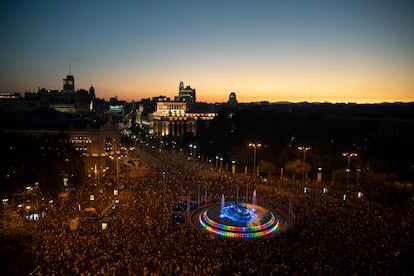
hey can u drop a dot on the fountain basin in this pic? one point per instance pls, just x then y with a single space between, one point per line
233 220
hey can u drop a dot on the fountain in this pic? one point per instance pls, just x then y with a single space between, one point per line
238 213
222 215
254 203
237 220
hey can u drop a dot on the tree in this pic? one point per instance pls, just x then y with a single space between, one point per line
26 159
296 167
15 240
266 167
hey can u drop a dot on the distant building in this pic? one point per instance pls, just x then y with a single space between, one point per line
69 83
91 136
186 94
170 119
142 112
92 92
177 119
67 100
232 99
69 112
116 110
161 99
163 117
6 95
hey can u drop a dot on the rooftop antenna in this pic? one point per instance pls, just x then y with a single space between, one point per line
70 69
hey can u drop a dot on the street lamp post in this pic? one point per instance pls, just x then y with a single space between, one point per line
348 155
116 158
304 149
255 146
192 150
233 167
97 172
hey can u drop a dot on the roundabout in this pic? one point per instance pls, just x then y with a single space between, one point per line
238 220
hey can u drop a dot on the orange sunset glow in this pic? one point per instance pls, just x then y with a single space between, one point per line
323 51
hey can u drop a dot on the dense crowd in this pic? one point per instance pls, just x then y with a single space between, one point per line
329 236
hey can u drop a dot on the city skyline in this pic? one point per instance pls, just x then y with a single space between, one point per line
316 51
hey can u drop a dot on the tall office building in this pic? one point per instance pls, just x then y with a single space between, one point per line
186 94
69 83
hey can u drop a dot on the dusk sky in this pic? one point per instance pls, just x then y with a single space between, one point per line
311 50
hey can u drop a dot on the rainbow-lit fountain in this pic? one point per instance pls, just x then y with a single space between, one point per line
237 220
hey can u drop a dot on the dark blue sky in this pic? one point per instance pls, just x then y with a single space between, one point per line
349 51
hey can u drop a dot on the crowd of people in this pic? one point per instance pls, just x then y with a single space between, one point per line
329 235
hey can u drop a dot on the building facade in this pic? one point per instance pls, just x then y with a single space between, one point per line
170 118
163 117
66 100
94 141
186 94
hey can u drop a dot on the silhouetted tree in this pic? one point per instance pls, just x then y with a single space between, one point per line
16 233
26 160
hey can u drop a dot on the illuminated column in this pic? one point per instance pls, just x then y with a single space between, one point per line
159 128
167 128
177 128
168 131
173 125
155 127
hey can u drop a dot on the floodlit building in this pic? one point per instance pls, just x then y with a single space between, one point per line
163 117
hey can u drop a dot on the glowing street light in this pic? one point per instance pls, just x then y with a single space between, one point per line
97 171
255 146
304 149
348 155
233 167
116 158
